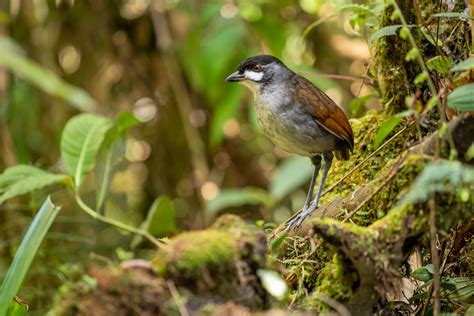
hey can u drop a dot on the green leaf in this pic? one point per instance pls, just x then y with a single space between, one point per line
277 242
464 65
238 197
355 7
412 54
160 219
46 80
385 129
356 104
462 98
290 175
17 308
26 253
22 179
440 63
110 154
386 31
80 142
446 176
421 77
452 15
273 283
424 273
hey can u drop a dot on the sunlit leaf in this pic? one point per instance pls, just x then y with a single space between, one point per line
273 283
290 175
43 78
440 63
80 142
238 197
462 98
17 308
26 253
385 129
22 179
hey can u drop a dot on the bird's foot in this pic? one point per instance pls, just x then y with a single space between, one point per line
296 222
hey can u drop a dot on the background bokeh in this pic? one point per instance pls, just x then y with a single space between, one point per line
199 144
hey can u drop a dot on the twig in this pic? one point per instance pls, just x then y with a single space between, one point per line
338 307
386 180
366 159
434 256
118 224
177 298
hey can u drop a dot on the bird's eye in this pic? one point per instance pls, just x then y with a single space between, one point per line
257 68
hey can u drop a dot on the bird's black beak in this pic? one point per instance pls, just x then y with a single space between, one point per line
235 77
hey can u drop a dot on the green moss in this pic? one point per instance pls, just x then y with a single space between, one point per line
334 280
189 253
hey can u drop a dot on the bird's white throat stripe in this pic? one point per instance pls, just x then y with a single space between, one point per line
252 75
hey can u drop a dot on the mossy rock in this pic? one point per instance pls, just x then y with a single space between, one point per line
221 261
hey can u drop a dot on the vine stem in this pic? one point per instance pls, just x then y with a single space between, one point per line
117 224
422 64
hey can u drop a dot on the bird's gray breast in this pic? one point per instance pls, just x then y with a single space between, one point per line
288 126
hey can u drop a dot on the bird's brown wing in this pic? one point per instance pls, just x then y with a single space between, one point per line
325 112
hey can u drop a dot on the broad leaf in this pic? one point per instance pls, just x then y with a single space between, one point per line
80 142
385 129
22 179
290 175
46 80
462 98
239 197
26 253
110 154
440 63
160 219
424 273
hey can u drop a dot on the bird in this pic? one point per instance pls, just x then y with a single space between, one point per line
297 117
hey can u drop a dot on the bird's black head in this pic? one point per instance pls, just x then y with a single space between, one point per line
257 70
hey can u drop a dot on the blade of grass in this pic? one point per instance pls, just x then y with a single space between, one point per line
26 253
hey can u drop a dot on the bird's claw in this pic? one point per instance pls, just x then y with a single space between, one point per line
296 222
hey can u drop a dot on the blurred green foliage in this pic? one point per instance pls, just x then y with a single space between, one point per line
104 56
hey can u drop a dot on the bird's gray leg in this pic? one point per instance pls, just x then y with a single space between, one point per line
327 160
316 160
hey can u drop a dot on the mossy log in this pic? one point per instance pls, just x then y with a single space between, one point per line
196 273
376 252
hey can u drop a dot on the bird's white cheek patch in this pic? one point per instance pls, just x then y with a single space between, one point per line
252 75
